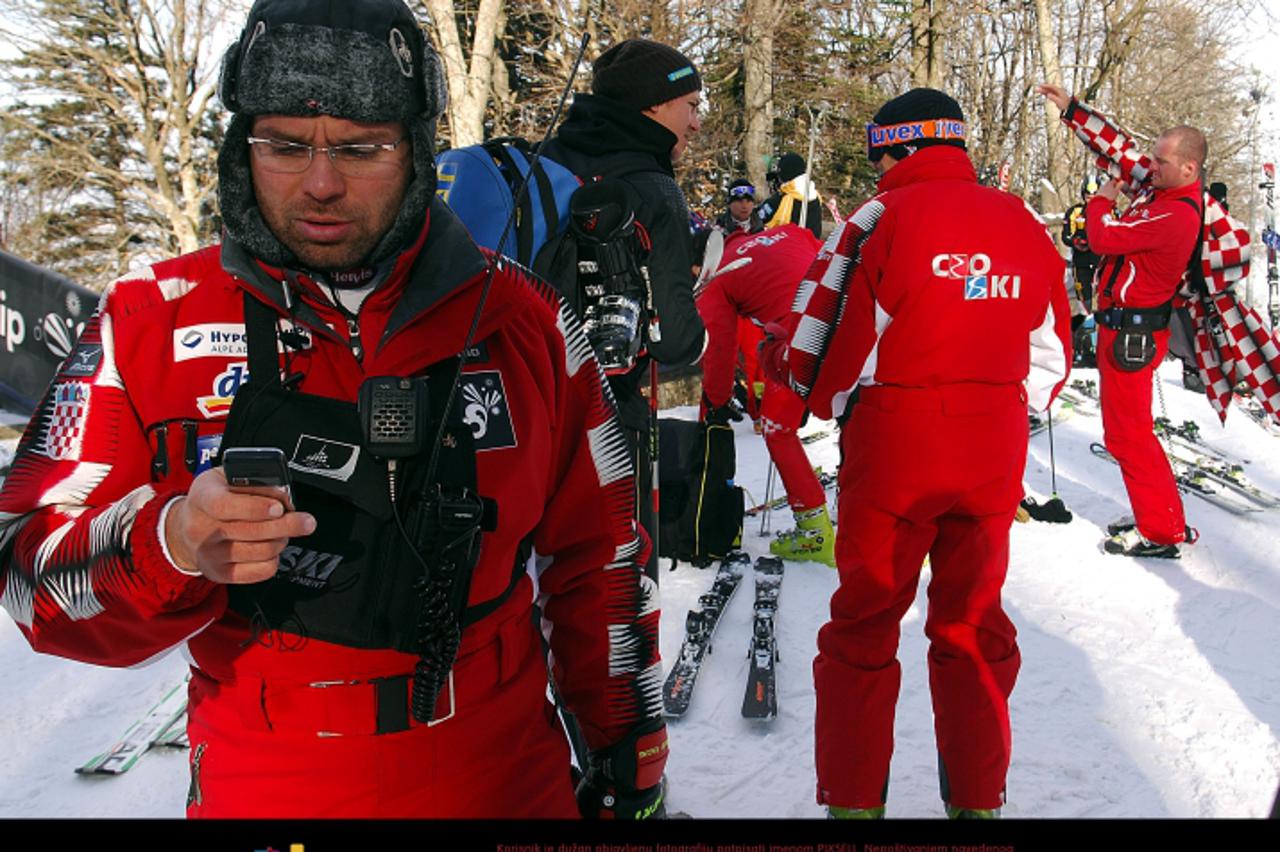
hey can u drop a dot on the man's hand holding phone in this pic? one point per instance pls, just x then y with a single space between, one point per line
235 520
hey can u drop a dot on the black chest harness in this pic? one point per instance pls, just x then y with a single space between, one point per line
1134 346
374 574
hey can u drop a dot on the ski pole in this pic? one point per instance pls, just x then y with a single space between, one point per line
1054 511
654 458
768 499
1053 467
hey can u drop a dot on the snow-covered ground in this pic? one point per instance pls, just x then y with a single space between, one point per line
1149 688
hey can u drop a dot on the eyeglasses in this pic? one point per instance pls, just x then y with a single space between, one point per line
748 192
357 161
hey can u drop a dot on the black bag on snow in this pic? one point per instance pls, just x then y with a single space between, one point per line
701 509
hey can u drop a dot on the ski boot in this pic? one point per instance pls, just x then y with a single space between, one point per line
972 813
1126 525
836 812
813 539
1130 542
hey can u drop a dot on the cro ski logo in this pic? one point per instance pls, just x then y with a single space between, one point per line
979 281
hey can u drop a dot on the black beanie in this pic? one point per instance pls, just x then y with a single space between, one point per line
790 167
918 105
642 73
362 60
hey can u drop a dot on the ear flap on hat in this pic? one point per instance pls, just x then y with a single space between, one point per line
434 88
232 62
229 75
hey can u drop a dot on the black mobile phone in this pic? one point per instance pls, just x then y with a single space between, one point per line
247 467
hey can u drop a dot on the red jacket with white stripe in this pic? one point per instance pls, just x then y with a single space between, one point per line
82 570
1147 248
758 281
935 281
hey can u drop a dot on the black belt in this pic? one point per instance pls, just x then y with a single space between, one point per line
1152 319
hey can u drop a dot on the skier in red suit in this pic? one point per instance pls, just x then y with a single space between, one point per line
945 327
1145 252
756 278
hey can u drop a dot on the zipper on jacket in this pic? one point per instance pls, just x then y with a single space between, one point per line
353 330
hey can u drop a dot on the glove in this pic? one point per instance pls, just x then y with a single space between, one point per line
1076 322
624 781
719 415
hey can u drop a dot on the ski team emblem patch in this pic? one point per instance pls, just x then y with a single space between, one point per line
64 433
485 410
325 457
83 360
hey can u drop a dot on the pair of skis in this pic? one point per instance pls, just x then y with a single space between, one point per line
161 726
1225 489
826 480
1200 468
760 700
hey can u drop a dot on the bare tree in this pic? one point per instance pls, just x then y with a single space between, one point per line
927 35
470 78
759 20
113 115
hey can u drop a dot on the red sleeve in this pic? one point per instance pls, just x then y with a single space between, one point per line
861 323
720 316
600 610
822 299
82 571
1050 349
1117 153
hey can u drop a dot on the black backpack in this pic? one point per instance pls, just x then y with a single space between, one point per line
701 509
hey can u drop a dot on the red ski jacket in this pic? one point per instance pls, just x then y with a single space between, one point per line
935 281
82 567
1147 248
759 277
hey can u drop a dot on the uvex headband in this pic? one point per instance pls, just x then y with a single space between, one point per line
742 192
928 131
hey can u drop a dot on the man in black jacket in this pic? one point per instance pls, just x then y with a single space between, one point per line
636 122
794 196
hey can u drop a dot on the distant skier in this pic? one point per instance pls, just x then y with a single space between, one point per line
756 277
946 329
794 197
740 212
1084 262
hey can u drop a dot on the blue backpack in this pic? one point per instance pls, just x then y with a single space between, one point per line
479 182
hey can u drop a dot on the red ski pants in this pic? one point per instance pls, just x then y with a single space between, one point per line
264 749
1129 434
937 472
782 412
